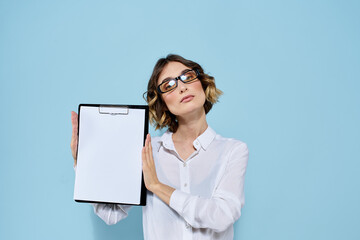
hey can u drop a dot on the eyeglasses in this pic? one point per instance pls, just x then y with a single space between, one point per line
170 84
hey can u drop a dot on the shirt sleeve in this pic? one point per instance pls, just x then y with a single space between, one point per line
224 207
110 213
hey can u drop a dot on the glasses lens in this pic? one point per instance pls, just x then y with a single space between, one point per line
168 85
188 76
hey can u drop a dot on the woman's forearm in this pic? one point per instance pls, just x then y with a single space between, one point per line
163 192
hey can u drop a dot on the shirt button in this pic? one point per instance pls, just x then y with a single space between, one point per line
184 164
185 185
187 225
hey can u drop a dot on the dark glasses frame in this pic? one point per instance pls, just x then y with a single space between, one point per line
177 79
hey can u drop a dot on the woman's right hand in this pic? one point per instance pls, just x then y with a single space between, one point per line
74 137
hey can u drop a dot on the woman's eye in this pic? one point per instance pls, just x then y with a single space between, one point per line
184 77
170 84
188 76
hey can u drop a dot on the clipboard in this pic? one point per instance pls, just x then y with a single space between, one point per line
109 163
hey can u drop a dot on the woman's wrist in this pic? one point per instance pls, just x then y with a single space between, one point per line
163 191
154 187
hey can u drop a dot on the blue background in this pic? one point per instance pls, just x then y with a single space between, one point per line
289 70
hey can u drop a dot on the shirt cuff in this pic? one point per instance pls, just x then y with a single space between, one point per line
177 200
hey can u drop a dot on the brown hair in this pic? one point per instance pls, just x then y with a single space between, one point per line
160 116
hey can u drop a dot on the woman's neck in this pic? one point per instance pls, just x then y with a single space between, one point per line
190 127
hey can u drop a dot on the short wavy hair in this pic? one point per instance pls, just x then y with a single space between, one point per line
160 116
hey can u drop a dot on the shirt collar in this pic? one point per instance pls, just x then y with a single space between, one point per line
204 139
166 141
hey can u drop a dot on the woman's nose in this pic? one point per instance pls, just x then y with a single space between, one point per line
182 87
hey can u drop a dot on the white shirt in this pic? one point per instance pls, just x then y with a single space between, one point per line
209 191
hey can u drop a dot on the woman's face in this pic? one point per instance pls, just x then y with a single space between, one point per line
187 97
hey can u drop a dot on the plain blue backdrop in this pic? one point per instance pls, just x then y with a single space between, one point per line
289 70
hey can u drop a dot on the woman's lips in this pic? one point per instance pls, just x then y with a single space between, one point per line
187 98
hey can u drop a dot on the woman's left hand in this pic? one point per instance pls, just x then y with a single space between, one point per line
150 177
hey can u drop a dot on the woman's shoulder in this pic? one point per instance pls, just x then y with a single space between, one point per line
230 143
160 135
236 150
158 138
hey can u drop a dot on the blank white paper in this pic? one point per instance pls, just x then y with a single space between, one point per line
109 165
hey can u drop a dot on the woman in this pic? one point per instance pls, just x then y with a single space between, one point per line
194 176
